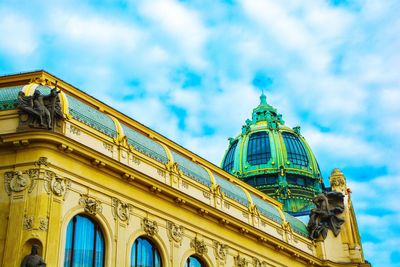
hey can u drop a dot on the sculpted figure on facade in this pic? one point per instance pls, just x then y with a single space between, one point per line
90 204
41 110
150 227
221 250
33 259
325 216
175 232
199 246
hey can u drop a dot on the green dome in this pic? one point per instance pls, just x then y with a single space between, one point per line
275 159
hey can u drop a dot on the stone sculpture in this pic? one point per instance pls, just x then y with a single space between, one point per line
33 259
325 216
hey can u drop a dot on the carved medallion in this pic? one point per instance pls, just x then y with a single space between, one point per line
121 210
199 246
91 205
220 250
150 227
17 181
175 232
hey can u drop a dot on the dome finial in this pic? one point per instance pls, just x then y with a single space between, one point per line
263 98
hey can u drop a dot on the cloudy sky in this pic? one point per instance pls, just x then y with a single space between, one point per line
193 71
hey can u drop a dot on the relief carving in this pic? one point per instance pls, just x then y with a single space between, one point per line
74 130
17 181
220 250
121 210
90 204
55 184
199 246
240 261
43 224
42 161
28 222
150 227
175 232
329 205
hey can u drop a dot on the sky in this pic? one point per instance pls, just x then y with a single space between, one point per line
194 70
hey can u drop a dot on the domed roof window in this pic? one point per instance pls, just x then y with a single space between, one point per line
230 158
259 150
296 153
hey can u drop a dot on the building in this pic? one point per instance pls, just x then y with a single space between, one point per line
89 186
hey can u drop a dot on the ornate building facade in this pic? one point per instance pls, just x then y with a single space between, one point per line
85 185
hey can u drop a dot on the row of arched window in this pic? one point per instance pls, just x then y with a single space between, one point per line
85 247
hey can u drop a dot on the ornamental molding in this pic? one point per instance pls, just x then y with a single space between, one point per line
90 204
199 246
220 250
18 181
121 210
240 261
175 232
258 263
150 227
43 224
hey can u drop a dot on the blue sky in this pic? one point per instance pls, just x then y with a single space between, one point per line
193 71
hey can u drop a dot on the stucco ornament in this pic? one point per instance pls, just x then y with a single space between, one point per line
240 261
199 246
91 205
175 232
44 224
220 250
17 181
121 210
329 205
28 222
150 227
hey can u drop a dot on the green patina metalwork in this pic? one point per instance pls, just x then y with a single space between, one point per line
191 169
232 191
145 145
297 225
289 176
266 209
91 117
9 97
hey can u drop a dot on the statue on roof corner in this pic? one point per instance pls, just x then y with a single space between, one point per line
40 111
329 205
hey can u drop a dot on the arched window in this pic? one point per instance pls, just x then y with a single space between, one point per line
296 153
230 158
194 261
144 254
85 243
259 150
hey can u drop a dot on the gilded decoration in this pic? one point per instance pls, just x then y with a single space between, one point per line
90 204
329 205
150 227
120 210
17 181
240 261
199 246
175 232
220 250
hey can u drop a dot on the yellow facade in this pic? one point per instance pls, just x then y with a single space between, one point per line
50 176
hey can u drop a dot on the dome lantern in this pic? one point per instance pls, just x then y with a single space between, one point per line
275 159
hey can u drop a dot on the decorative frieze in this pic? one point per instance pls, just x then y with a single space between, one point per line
90 204
108 147
175 232
150 227
199 246
220 250
74 130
